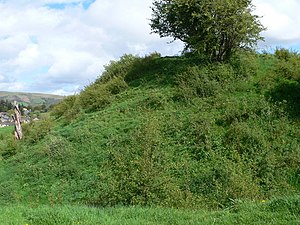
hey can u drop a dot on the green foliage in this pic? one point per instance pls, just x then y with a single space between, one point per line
245 64
221 179
215 29
196 82
36 131
118 68
210 80
95 97
288 64
139 173
8 146
169 132
66 108
98 95
289 204
285 88
117 77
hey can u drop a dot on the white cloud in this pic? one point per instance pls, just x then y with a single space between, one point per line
281 18
28 56
12 86
2 78
60 50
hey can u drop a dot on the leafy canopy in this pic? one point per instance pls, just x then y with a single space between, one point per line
216 28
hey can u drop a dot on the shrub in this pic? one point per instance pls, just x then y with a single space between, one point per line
155 101
288 64
244 64
205 81
196 82
142 67
94 97
116 85
37 130
99 95
67 108
8 147
118 69
139 172
221 180
248 142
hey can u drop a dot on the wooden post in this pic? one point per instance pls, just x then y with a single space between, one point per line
17 120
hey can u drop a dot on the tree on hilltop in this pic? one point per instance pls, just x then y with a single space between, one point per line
216 28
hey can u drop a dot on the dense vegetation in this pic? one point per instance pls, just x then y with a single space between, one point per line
210 137
170 132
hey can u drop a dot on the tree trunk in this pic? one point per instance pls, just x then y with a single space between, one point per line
17 120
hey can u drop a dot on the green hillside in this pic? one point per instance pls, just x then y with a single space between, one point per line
32 99
171 132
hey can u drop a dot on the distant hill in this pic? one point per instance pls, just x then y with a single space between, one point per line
31 98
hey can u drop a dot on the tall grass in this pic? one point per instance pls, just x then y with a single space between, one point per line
277 211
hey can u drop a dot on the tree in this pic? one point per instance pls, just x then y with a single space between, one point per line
216 28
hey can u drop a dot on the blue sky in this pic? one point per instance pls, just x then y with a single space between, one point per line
63 5
60 46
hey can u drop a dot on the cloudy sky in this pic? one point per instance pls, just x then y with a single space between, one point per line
59 46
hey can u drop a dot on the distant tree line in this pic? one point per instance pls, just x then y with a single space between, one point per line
5 105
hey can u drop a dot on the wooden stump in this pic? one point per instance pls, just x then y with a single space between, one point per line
17 120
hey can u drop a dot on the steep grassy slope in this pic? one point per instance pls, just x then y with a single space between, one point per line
166 132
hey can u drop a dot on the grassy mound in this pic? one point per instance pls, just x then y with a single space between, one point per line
171 132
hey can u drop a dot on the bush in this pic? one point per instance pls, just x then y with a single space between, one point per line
155 101
117 69
221 180
284 85
8 146
205 81
288 64
196 82
37 130
244 64
67 108
94 97
142 67
99 95
116 85
138 172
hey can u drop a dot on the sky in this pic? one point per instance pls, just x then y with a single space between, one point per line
61 46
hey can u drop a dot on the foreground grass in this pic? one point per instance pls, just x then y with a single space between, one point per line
6 130
276 211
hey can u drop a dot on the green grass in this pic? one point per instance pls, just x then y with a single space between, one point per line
241 213
154 134
6 130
